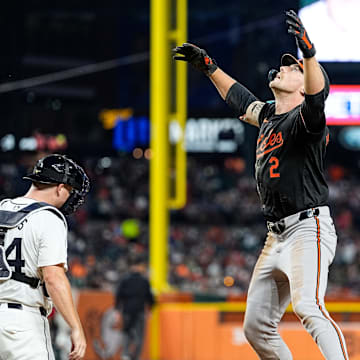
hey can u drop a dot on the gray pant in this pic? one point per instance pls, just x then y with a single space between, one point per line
293 266
133 335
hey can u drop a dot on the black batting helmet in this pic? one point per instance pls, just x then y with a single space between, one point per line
59 169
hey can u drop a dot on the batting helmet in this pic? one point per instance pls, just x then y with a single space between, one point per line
59 169
288 59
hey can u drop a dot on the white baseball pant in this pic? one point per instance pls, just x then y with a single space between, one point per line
293 266
24 334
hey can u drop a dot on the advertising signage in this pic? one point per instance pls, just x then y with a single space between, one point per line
343 105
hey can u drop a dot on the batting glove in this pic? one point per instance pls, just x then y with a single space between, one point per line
197 57
296 27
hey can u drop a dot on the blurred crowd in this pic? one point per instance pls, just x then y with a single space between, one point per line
213 242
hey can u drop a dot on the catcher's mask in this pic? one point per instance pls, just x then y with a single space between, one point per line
288 59
58 169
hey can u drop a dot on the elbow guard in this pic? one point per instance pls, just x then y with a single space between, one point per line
239 98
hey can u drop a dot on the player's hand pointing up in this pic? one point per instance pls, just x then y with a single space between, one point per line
296 27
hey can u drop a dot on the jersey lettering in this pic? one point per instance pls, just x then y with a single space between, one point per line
5 271
22 224
18 263
269 143
274 160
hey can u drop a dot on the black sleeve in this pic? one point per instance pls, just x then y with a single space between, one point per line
239 98
312 113
267 110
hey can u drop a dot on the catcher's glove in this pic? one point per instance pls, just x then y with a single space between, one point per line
296 27
197 57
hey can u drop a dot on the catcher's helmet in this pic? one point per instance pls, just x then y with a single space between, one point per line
288 59
59 169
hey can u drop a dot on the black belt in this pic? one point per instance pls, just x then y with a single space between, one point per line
309 213
278 227
20 307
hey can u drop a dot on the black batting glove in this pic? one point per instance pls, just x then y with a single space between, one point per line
197 57
296 27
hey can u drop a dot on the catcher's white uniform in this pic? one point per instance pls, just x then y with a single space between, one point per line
40 240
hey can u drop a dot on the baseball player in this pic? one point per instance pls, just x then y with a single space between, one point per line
33 261
132 300
289 171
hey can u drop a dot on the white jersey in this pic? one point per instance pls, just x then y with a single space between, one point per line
40 240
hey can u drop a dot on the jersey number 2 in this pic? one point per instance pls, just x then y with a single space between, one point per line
275 161
17 263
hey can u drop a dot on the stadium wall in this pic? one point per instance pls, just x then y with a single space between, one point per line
204 331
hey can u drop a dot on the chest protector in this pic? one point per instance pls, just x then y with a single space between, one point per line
10 220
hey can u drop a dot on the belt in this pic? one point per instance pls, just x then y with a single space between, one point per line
278 227
22 307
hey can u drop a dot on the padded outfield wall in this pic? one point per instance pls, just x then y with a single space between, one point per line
204 331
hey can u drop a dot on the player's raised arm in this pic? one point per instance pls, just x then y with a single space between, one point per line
238 97
316 81
313 76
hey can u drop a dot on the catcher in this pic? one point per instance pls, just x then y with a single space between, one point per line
33 261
